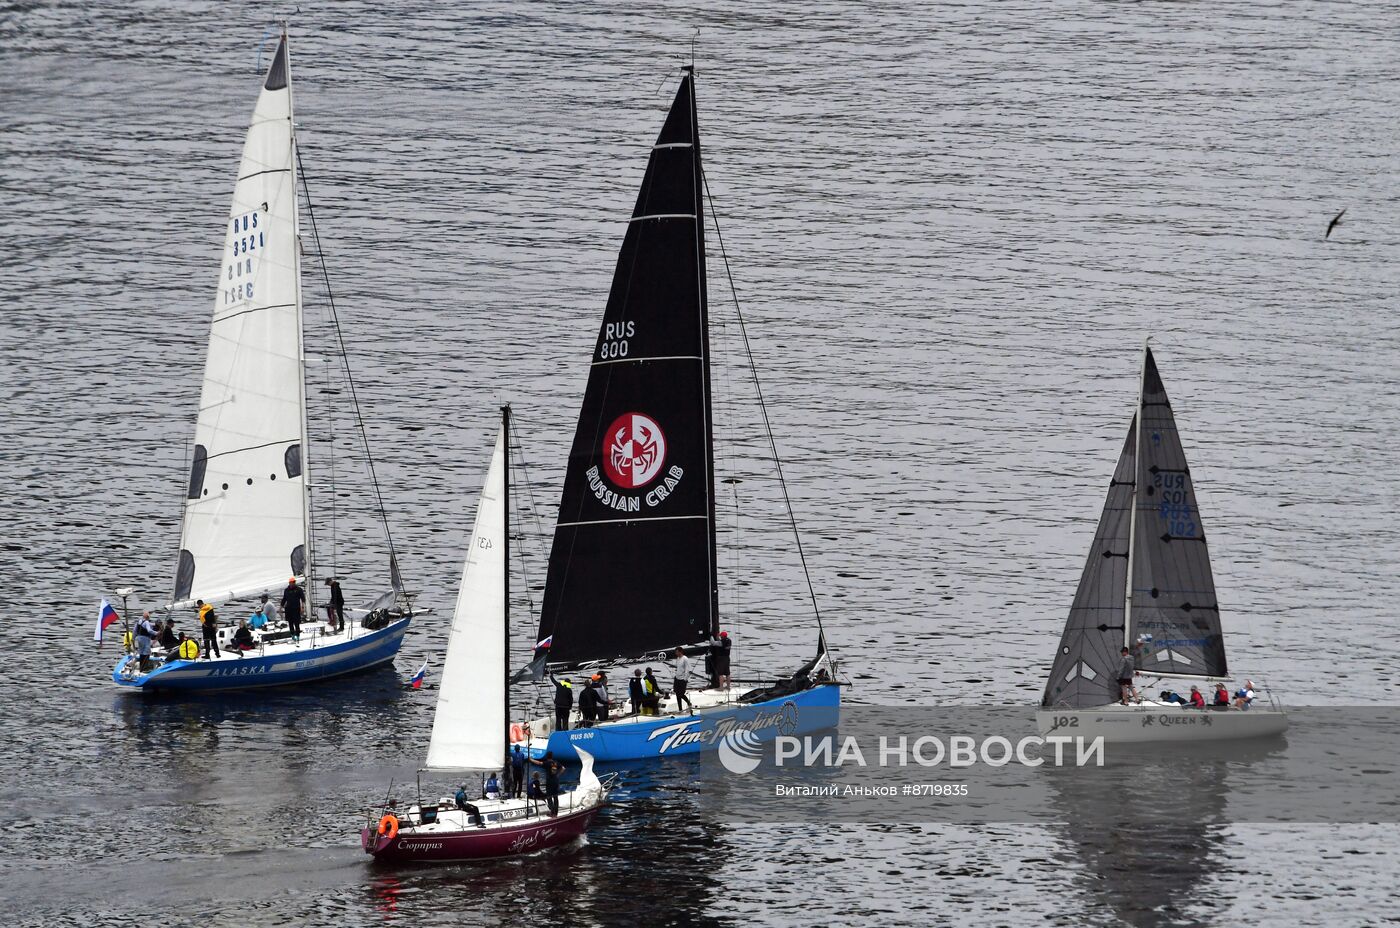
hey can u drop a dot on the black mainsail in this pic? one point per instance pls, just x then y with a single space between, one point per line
1173 593
632 570
1151 527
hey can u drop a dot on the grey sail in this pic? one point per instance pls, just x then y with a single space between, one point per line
1173 595
1086 665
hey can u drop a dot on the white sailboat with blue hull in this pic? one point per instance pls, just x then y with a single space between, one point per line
246 527
632 571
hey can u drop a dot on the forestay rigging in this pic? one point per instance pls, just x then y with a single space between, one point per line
245 518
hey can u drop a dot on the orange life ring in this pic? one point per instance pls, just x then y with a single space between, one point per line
517 732
389 827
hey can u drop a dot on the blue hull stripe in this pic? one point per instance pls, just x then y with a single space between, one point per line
800 713
302 666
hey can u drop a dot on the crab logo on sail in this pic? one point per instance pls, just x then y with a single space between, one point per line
634 450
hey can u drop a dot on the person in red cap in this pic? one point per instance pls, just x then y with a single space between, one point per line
293 600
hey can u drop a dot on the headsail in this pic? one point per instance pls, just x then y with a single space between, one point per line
1086 665
632 568
1173 595
470 724
245 518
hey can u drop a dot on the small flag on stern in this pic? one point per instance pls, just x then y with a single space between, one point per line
106 616
417 681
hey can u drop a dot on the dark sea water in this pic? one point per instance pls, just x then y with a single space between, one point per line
950 227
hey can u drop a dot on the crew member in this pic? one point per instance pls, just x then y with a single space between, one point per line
293 599
336 607
651 693
243 638
720 660
209 625
145 637
635 691
473 813
563 703
551 782
517 771
682 680
1126 668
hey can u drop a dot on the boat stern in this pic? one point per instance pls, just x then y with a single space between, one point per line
128 672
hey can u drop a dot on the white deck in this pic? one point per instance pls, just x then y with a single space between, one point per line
495 813
274 640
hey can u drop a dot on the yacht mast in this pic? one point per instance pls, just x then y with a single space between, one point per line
1132 512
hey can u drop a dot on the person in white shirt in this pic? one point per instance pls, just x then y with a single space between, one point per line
682 680
1245 696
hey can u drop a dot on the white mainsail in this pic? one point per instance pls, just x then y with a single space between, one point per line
469 729
245 519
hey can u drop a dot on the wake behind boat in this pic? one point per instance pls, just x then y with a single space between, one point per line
471 720
1146 609
247 517
632 571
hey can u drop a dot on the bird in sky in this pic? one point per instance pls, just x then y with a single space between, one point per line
1336 221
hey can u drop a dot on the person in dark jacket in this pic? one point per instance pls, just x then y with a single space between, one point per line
1127 667
293 599
589 705
168 638
243 638
517 771
335 609
536 791
563 703
551 782
719 661
635 691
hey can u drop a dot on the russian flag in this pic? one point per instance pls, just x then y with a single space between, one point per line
106 616
546 643
417 681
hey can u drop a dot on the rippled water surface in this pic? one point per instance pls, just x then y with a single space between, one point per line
950 227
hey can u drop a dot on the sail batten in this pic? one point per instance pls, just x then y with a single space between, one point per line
469 726
632 567
245 524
